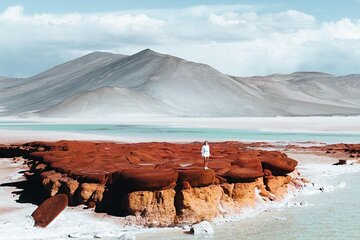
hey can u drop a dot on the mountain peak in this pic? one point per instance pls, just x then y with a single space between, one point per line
97 54
147 51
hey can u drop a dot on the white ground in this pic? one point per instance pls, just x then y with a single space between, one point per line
18 136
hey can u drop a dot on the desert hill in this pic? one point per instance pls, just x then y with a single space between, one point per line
149 83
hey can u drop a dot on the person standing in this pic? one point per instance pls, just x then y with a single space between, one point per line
205 153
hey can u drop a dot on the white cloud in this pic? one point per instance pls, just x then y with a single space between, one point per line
345 29
232 38
13 13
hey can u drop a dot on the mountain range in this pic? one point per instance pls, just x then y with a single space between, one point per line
148 83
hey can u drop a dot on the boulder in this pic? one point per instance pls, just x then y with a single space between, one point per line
68 186
51 183
341 162
239 175
90 192
147 179
279 165
197 177
202 228
49 210
250 162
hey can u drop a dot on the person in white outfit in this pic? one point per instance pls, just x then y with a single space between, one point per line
205 153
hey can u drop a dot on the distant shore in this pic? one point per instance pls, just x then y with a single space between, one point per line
296 125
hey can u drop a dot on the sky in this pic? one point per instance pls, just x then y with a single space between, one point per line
243 38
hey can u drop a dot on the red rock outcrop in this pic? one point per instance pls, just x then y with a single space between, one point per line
198 204
140 179
49 210
157 208
159 183
240 175
197 177
278 163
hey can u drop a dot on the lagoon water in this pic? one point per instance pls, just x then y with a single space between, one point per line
168 133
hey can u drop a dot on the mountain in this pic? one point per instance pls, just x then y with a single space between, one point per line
149 83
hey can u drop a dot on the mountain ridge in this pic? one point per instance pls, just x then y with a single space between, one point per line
174 87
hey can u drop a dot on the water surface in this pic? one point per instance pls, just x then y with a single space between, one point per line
183 133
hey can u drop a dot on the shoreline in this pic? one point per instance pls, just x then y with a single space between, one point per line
335 124
23 136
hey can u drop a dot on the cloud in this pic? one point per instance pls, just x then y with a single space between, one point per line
235 39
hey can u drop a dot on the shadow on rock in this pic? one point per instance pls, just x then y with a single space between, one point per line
28 190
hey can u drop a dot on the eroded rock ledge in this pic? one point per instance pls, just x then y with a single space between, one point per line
159 183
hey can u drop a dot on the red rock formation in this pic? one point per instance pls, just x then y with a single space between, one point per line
198 204
239 175
197 177
158 180
157 208
49 210
139 179
278 163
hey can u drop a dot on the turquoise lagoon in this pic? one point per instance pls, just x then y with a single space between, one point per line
168 133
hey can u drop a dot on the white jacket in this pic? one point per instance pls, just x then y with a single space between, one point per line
205 151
